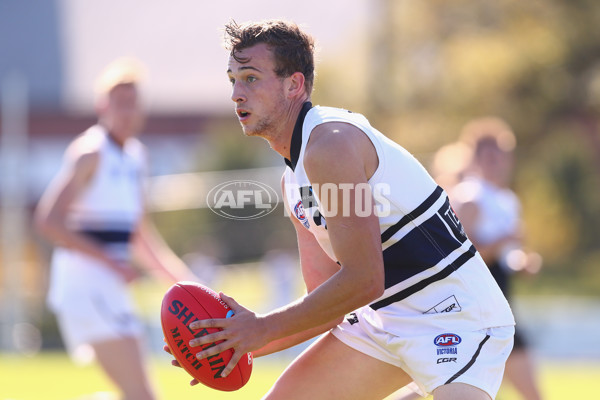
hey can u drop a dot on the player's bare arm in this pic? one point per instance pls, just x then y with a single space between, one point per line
336 154
317 267
156 255
341 154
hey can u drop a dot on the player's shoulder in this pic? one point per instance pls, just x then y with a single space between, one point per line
469 190
334 125
319 114
335 136
86 147
137 150
333 148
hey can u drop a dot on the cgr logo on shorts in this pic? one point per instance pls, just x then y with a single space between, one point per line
242 199
449 304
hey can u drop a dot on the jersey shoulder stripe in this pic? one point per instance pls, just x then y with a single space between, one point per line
385 236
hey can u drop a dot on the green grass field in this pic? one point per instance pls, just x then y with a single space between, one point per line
52 376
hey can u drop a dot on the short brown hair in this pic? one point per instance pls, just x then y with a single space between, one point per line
488 130
292 48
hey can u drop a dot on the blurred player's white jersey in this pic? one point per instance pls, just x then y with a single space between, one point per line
499 213
92 301
112 202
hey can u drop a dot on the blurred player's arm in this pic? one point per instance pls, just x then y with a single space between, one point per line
509 246
150 248
156 256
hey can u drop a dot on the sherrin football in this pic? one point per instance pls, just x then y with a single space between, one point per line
184 303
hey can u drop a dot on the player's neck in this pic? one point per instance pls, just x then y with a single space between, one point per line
116 139
281 142
494 178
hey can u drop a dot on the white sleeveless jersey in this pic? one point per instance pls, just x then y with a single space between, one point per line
499 214
500 209
110 206
422 240
108 210
113 199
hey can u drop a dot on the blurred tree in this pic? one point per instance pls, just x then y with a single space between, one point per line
428 67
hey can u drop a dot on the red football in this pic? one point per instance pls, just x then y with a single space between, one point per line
184 303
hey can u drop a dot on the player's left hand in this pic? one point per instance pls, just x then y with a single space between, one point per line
175 363
243 332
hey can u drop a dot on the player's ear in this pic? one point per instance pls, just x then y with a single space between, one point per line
295 84
101 104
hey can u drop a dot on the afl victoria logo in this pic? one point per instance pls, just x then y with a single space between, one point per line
447 339
242 199
299 211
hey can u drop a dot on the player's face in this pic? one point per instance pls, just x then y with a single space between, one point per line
257 91
496 163
122 113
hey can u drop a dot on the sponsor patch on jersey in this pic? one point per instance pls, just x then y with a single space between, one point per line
301 214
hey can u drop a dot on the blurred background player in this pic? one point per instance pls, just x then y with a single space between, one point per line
491 215
450 164
94 214
476 172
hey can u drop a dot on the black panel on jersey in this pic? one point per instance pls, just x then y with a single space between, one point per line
385 236
401 295
108 236
422 248
448 215
296 143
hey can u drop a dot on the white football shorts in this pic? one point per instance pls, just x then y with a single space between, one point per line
476 357
91 303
